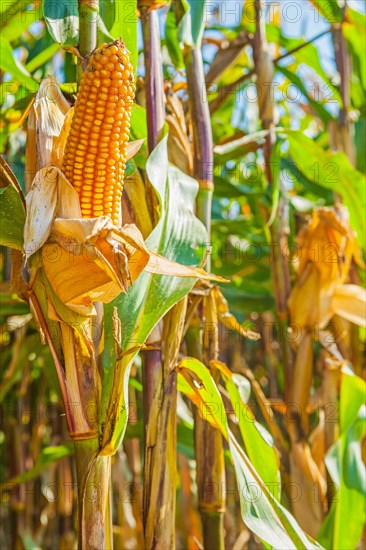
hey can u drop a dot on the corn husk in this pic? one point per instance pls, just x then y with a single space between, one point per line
228 319
45 121
306 481
327 246
86 260
179 146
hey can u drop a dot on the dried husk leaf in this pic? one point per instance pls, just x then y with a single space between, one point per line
7 177
78 360
51 195
133 147
59 143
306 481
349 302
327 246
151 4
228 319
162 266
226 56
301 385
135 194
45 121
317 444
84 260
308 302
179 146
31 163
89 260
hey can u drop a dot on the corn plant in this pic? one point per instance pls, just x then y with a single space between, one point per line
183 302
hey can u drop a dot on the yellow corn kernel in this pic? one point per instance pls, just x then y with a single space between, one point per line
100 131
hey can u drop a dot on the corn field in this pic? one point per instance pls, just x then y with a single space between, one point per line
183 305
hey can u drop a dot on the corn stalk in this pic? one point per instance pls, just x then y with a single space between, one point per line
160 446
74 350
342 139
298 373
264 69
159 376
208 441
93 472
88 17
342 134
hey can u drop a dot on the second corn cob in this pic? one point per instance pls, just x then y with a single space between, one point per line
95 155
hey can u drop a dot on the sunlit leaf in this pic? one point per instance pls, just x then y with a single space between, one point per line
179 236
125 24
62 19
303 52
346 467
318 106
9 64
258 442
354 31
48 456
44 56
17 23
330 9
332 171
12 218
261 511
107 11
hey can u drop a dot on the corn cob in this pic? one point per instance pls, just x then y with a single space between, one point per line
95 153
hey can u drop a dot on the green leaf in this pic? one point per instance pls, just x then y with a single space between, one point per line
138 122
48 456
260 510
10 65
332 171
125 26
240 147
275 186
188 32
62 19
258 442
330 9
172 40
318 107
354 31
179 236
11 305
139 131
352 397
245 300
345 465
107 11
42 58
308 54
12 217
185 440
360 142
7 382
303 185
8 9
227 190
198 20
16 23
28 542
